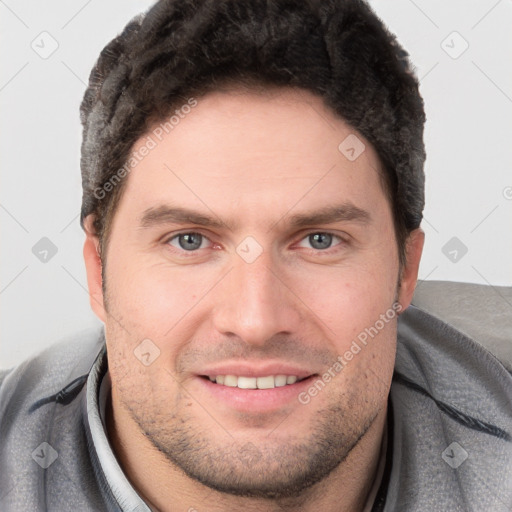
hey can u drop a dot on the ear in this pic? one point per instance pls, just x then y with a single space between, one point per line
414 248
93 268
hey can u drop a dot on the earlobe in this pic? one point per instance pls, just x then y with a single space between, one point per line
414 249
93 267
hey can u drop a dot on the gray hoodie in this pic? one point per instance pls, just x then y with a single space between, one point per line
449 430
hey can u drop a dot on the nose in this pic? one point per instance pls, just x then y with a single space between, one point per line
255 302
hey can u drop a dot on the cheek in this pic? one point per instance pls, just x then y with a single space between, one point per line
153 298
358 321
347 299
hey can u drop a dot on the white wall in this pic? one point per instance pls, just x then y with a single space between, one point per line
468 137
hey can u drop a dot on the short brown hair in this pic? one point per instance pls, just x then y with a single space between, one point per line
336 49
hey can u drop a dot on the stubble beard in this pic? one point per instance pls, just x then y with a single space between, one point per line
270 467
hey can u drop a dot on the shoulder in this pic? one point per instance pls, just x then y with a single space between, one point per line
451 399
42 376
43 446
449 345
51 369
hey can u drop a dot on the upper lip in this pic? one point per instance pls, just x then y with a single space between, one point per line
255 369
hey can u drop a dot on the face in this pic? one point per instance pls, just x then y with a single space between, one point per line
249 251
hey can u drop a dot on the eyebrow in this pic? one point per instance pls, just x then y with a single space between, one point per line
178 215
345 212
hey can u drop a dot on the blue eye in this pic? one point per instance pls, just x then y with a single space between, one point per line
188 241
320 241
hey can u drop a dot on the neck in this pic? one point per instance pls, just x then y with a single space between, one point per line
166 488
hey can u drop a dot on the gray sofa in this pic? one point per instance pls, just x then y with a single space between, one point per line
483 312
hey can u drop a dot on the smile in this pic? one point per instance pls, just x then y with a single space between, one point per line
267 382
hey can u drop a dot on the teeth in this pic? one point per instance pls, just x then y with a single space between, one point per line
265 382
247 382
268 382
280 381
231 381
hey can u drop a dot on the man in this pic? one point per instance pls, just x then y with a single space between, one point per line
253 193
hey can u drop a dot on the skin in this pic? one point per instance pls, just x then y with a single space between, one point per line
253 161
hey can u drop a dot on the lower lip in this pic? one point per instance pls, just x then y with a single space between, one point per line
256 400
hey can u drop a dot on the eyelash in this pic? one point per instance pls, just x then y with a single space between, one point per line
188 254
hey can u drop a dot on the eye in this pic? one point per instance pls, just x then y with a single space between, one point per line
320 240
188 241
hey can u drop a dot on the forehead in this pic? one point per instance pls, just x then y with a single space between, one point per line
253 152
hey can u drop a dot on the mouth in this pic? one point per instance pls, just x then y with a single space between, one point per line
263 382
255 392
